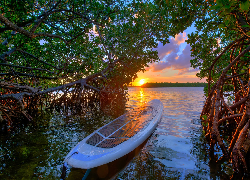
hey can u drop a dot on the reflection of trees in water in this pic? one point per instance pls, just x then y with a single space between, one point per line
21 153
38 150
200 150
144 166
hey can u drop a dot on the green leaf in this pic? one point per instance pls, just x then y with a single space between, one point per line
221 26
245 25
204 117
245 6
216 7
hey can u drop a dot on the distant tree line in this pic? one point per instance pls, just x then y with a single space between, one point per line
167 84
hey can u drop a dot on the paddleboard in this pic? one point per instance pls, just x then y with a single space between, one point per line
106 171
117 138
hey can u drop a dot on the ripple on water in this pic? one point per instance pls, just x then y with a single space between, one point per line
173 151
169 150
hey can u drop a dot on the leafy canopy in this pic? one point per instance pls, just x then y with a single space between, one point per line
219 28
48 43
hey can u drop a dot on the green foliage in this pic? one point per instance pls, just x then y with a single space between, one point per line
206 90
78 38
204 117
221 24
74 39
71 39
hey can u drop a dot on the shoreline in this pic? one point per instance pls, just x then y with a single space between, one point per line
153 85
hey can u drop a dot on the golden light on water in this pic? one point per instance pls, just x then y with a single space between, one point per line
141 96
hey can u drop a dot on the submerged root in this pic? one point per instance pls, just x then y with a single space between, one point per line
225 122
72 100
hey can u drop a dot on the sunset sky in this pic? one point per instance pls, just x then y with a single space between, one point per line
174 65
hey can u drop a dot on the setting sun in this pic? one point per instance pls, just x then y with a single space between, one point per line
142 81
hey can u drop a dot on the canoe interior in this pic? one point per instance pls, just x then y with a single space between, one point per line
124 127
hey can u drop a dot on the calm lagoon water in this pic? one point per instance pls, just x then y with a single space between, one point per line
175 148
174 151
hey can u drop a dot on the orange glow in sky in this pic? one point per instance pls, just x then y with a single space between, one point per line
142 81
174 64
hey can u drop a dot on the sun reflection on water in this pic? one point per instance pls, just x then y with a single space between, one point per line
176 148
142 99
174 151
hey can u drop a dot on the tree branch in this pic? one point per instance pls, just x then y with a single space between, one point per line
7 53
229 117
225 104
43 17
14 86
225 49
230 77
39 59
27 33
24 67
24 74
14 27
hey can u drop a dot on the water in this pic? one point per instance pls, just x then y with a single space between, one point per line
176 150
172 150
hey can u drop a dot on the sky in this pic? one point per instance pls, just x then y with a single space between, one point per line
174 64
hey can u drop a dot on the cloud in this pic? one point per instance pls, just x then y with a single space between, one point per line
147 68
184 71
180 38
171 47
183 60
156 67
169 57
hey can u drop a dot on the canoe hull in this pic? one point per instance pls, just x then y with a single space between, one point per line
117 138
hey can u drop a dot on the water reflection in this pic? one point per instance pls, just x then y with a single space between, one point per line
142 96
38 152
176 150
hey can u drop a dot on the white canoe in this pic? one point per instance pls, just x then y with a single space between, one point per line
117 138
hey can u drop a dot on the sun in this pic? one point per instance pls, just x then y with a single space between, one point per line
142 81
